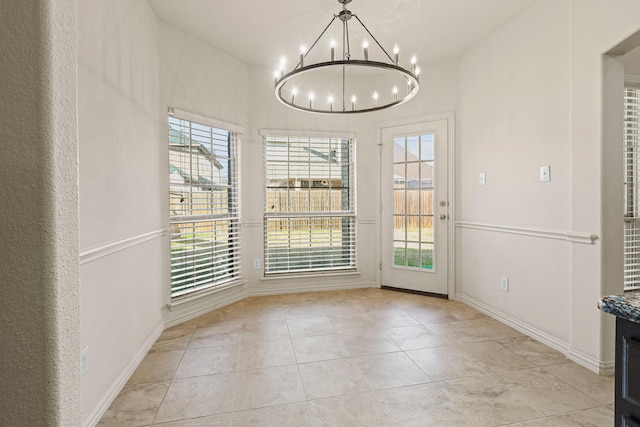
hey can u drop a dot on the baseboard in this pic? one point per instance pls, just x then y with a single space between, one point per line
298 288
204 306
117 386
589 362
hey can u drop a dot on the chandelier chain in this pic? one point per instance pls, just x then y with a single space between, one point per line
316 42
374 39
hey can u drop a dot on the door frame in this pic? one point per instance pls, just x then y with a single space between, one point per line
451 174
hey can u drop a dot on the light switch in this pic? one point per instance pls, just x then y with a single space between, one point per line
482 179
545 173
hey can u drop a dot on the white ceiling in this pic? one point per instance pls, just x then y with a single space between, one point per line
259 32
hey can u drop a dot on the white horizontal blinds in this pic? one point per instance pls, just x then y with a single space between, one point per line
309 220
204 209
631 189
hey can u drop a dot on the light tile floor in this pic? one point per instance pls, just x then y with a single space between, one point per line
366 357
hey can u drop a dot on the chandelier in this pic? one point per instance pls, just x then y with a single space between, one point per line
347 83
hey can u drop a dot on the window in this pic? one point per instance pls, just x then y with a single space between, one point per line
309 217
204 209
631 189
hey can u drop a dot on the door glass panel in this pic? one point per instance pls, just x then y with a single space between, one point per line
426 202
398 201
413 148
413 228
399 148
426 229
413 255
426 147
413 167
426 174
399 230
413 202
399 258
427 255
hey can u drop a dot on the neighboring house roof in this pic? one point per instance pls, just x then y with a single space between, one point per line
415 171
178 176
179 141
325 165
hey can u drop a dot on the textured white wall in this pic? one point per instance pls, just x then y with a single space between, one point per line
632 63
532 94
122 190
514 118
596 27
39 289
198 78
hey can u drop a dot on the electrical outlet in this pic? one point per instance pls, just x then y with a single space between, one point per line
482 178
256 263
84 361
504 283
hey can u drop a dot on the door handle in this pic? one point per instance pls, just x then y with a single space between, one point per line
444 216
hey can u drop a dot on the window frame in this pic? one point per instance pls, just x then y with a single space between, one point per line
342 238
631 182
220 218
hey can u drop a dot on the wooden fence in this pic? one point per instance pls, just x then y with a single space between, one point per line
305 201
412 209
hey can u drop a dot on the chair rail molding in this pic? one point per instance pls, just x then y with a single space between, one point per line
546 233
99 251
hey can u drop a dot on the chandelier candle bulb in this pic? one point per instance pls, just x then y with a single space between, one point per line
395 93
353 102
365 47
330 99
311 100
396 51
414 61
333 50
375 99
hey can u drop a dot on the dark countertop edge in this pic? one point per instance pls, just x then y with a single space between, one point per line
625 306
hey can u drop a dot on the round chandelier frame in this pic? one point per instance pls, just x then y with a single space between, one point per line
411 76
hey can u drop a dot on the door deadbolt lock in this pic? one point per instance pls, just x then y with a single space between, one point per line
443 203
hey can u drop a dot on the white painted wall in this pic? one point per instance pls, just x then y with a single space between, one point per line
122 193
532 95
514 118
632 63
39 278
596 27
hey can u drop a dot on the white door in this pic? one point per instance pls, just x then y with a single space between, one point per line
415 207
